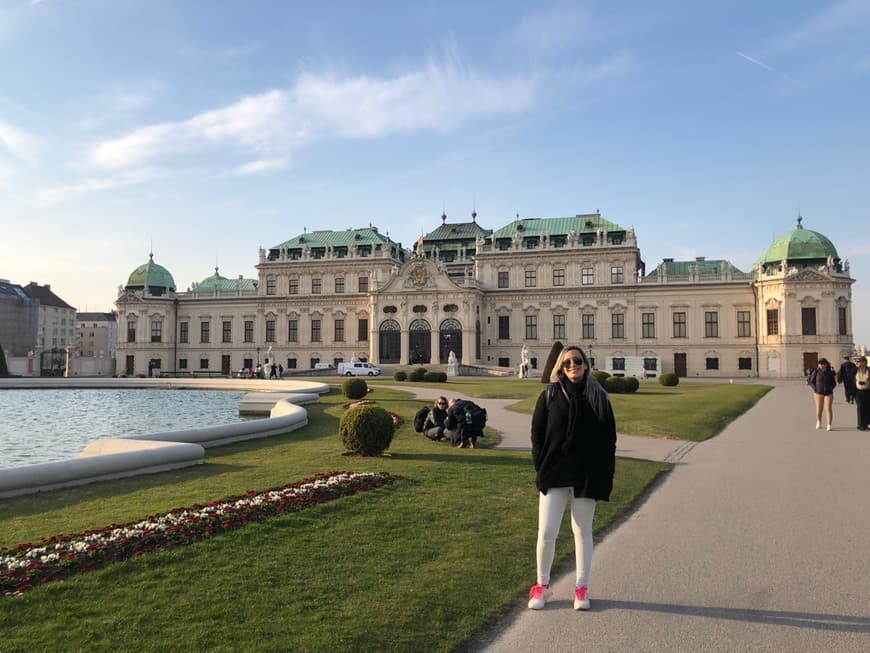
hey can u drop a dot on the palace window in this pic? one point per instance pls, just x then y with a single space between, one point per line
362 329
339 330
227 331
184 332
203 363
617 323
315 330
156 330
679 325
339 285
503 279
588 326
841 321
131 330
616 274
249 331
559 276
744 326
182 363
293 330
712 363
744 363
559 327
773 322
531 327
504 327
711 324
531 278
363 284
647 325
808 321
205 332
294 287
588 277
270 286
315 286
270 330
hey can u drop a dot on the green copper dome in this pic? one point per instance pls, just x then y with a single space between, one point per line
152 276
800 246
221 283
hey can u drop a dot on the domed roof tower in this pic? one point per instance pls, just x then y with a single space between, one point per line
152 276
800 248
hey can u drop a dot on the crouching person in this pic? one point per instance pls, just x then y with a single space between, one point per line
465 422
433 427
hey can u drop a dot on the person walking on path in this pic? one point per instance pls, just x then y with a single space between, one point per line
862 393
823 382
574 453
846 377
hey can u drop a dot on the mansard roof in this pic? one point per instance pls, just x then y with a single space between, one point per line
322 238
457 230
699 266
218 282
588 222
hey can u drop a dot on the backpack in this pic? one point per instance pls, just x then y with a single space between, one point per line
475 418
552 390
420 419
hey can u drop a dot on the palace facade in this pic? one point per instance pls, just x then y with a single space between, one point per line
329 296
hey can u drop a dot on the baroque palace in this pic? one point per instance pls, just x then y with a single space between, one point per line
331 296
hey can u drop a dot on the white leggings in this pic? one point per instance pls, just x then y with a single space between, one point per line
551 507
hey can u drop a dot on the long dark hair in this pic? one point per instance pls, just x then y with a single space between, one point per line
592 391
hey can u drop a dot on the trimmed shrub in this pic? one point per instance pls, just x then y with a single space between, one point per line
631 384
417 374
432 377
614 384
354 388
366 430
400 375
600 376
443 378
669 378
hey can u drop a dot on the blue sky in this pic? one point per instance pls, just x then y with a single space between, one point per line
208 129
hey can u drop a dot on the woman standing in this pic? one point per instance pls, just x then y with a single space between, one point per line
862 392
823 382
574 452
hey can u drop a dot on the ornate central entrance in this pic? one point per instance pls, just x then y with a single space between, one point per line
390 342
419 342
449 339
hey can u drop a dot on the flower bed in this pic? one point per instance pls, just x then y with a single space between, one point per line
61 556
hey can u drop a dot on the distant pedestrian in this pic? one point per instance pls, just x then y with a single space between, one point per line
273 371
823 382
574 453
862 393
846 378
280 371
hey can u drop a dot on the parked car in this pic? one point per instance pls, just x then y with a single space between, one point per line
358 369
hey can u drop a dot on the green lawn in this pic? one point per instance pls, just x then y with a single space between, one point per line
420 565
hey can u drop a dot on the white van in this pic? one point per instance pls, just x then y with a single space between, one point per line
358 369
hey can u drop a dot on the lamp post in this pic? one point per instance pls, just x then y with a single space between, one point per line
258 357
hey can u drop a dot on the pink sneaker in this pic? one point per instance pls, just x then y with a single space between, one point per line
581 598
538 596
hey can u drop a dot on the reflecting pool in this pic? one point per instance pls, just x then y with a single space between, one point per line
51 425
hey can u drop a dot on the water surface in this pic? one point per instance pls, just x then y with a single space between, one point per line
50 425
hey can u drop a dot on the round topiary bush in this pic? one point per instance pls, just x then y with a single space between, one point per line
631 384
600 376
432 377
418 374
400 375
614 384
443 378
354 388
366 430
669 378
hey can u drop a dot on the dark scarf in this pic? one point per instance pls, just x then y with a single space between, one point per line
589 390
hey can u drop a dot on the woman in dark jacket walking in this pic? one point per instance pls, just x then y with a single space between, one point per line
574 452
823 382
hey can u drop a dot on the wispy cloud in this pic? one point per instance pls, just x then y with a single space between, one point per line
261 166
59 194
551 31
23 146
765 66
441 95
844 16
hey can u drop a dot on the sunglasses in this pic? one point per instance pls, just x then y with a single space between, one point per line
442 403
576 362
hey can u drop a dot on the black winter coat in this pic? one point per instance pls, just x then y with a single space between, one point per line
589 463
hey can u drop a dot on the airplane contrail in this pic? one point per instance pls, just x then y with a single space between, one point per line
764 65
